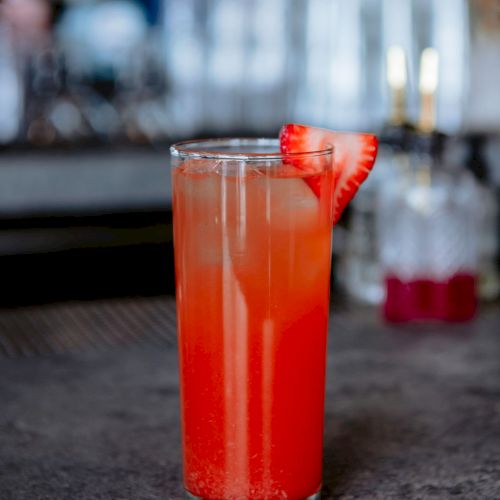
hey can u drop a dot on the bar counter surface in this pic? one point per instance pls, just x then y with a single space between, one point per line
412 412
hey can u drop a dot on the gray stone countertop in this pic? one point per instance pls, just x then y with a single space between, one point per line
411 413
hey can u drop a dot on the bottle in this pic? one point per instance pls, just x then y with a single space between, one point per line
428 222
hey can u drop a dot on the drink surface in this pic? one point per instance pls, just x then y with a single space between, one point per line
253 255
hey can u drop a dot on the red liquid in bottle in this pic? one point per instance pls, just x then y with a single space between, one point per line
453 299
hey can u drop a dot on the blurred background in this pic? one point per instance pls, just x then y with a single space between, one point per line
93 92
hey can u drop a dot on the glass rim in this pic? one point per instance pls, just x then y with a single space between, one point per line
185 149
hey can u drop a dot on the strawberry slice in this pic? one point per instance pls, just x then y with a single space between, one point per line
354 156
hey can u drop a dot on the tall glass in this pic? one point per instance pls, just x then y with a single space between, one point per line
252 236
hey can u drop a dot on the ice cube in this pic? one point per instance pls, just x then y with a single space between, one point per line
199 166
197 214
286 203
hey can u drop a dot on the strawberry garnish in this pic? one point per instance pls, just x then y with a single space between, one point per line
354 156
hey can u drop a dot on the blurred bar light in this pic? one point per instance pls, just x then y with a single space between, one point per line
428 84
429 71
397 30
397 80
396 67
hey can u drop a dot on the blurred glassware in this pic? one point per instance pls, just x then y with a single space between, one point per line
140 94
359 269
98 37
11 86
184 48
105 46
227 64
227 31
268 77
43 86
330 85
429 238
65 113
24 34
428 222
146 71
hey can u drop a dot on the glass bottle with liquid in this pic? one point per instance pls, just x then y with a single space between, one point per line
428 222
